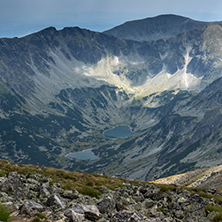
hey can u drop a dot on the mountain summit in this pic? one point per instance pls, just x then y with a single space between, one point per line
159 27
61 90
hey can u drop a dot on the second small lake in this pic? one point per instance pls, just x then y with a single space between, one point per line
83 155
119 132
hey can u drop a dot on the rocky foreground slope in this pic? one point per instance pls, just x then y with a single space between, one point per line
35 197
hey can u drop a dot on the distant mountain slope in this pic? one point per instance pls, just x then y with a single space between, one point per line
152 29
60 90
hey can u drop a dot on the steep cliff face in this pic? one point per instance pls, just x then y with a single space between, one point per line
60 90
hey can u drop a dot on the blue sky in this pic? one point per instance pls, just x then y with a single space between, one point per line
22 17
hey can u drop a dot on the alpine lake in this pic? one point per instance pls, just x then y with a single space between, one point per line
115 133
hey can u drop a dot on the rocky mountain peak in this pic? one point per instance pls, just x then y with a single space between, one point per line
155 28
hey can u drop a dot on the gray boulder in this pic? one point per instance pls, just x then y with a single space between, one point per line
124 216
91 212
55 201
73 216
107 205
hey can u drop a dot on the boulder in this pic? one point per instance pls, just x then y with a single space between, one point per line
91 212
78 208
124 216
27 210
73 216
44 190
120 207
36 206
149 203
69 194
55 201
106 205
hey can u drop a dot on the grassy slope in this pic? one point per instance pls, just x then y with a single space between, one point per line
208 177
84 183
91 183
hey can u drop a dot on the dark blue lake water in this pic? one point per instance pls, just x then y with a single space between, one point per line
83 155
119 132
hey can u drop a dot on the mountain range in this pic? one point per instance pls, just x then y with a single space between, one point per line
61 89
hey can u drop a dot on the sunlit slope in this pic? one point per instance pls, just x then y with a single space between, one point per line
206 177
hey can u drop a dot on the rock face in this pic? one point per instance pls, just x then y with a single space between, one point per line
29 195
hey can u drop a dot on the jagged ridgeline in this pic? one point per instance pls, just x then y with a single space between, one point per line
60 91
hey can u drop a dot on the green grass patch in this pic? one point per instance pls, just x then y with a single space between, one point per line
66 175
2 173
36 219
217 198
41 216
88 184
166 187
215 208
89 191
4 213
110 187
204 194
67 185
195 189
217 218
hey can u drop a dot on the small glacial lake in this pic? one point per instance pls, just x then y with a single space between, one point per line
83 155
119 132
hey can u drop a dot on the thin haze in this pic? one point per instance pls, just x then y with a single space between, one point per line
22 17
